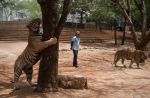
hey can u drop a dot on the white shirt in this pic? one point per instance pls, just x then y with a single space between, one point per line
76 43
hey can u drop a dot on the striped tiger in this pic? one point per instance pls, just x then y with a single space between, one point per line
129 54
31 54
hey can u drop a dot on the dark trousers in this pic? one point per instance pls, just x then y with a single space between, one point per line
75 53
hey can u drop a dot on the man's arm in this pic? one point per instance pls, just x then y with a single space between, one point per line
71 45
72 41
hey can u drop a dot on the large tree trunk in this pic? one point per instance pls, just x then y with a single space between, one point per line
48 71
144 41
48 79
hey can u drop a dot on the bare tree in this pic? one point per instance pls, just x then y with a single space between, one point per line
140 43
128 9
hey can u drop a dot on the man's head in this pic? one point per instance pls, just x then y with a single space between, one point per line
77 33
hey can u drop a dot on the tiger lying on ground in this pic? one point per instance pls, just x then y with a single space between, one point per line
31 54
129 54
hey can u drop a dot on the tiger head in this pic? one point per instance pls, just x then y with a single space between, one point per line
143 55
34 25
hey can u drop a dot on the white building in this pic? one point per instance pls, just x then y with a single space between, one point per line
7 14
75 18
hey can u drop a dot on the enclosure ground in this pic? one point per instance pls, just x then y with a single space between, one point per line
95 63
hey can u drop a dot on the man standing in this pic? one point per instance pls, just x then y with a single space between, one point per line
75 42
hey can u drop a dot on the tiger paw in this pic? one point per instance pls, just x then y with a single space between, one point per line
34 85
116 66
130 66
16 87
12 81
124 66
53 40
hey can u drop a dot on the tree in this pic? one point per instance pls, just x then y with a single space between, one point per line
101 10
81 7
16 5
33 8
48 71
7 5
147 4
139 43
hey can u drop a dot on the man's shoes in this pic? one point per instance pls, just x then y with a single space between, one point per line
76 66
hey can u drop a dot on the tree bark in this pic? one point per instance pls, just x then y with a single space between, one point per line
144 41
115 35
144 21
142 9
124 31
128 9
48 69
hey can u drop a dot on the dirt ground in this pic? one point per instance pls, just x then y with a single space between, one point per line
95 63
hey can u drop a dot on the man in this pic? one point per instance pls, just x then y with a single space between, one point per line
75 42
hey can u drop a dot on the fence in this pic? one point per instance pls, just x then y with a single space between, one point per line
16 30
13 30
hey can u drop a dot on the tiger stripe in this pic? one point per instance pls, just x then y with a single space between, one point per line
31 54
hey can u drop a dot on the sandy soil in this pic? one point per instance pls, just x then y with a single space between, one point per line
95 63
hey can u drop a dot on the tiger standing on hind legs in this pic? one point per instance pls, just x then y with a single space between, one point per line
31 54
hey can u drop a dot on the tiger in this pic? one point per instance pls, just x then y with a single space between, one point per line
129 54
32 53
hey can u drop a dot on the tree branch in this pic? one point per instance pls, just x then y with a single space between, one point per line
130 23
125 5
66 9
137 4
129 8
142 9
145 40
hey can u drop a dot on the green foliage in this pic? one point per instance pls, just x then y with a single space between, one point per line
32 7
80 6
8 3
136 15
103 10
